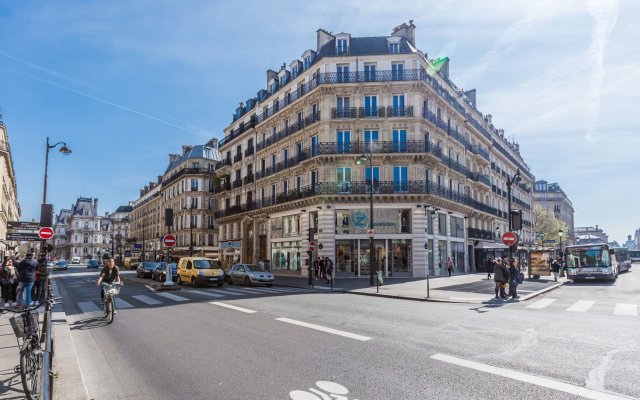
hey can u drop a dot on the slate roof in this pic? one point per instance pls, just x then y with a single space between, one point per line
361 46
198 151
124 209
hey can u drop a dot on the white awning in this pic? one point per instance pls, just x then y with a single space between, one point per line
491 245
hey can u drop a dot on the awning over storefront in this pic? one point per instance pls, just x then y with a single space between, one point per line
491 245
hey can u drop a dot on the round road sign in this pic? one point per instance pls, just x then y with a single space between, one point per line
510 239
45 233
312 246
169 240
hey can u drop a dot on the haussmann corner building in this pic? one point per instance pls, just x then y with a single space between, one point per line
439 167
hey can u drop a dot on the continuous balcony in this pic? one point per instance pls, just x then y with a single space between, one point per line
359 188
476 233
291 129
186 171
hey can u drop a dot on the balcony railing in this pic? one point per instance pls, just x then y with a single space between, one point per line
309 120
249 151
371 112
400 111
237 183
476 233
248 179
361 187
186 171
237 158
222 163
344 112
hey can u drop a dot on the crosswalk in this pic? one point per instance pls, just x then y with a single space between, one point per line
153 298
584 306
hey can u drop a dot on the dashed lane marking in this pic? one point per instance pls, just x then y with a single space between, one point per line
325 329
241 309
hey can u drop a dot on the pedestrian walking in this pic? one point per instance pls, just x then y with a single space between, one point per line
26 278
514 278
500 277
42 276
329 271
323 268
8 282
316 267
555 268
450 265
489 267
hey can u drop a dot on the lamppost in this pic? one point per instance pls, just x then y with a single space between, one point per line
119 240
515 179
190 229
64 150
364 158
560 233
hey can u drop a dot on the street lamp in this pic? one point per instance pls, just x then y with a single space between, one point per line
515 179
64 150
190 229
119 240
362 159
560 233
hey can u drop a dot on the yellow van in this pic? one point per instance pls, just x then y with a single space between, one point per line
200 271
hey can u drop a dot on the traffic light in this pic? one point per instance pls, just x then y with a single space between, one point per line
516 220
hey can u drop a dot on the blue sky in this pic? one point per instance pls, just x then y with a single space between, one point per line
125 83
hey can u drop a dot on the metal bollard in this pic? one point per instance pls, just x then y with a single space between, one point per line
427 286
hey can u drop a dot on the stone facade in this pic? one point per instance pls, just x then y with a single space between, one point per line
358 115
551 197
87 235
9 207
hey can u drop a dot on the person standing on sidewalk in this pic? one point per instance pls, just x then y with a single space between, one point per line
514 278
500 277
555 268
450 265
41 278
323 268
329 270
8 282
26 276
489 267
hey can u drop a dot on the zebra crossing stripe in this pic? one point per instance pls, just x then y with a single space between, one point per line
257 290
205 293
122 304
540 304
88 307
581 306
235 292
172 296
147 300
630 310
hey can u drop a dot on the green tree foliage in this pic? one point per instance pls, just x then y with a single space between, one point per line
546 223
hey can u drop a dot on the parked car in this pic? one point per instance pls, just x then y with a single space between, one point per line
75 260
160 273
93 263
50 264
131 263
145 269
200 271
61 265
250 275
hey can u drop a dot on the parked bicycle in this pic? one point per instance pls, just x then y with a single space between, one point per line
111 291
26 328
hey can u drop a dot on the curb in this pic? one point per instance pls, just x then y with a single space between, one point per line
543 291
69 381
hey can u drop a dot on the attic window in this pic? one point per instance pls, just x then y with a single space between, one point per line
342 46
307 61
394 48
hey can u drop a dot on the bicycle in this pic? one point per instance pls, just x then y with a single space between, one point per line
111 291
31 351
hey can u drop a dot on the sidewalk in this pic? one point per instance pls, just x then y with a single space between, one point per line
470 288
10 382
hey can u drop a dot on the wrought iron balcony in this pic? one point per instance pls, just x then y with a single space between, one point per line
371 112
344 112
309 120
222 163
249 151
248 179
476 233
186 171
237 183
400 111
237 158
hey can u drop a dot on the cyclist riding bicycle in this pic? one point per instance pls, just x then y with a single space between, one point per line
109 274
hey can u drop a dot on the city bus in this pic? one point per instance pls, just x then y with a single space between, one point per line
622 257
634 255
591 261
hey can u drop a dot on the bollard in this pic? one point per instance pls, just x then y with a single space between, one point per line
427 286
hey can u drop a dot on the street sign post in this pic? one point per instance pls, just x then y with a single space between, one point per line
22 237
169 240
370 233
312 246
22 226
45 233
510 239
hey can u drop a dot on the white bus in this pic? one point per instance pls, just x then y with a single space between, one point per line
591 261
634 255
623 259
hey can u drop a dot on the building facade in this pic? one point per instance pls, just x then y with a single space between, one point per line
60 243
146 225
551 197
590 234
360 117
188 188
9 207
119 230
87 236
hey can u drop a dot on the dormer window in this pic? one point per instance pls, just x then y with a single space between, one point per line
394 48
342 46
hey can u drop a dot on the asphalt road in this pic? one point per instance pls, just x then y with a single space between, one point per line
581 337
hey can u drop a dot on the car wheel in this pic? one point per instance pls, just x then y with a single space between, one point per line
229 280
220 283
193 282
269 284
179 281
247 281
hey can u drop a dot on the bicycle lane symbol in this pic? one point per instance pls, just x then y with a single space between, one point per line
335 392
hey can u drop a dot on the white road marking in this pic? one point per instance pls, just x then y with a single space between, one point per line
150 288
244 310
541 304
205 293
325 329
88 273
172 296
256 290
630 310
581 306
147 300
122 304
88 307
527 378
235 292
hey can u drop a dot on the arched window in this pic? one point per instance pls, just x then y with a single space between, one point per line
86 239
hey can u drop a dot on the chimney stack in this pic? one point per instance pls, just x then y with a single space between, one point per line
95 206
186 148
406 31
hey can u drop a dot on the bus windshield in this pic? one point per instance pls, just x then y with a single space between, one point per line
588 257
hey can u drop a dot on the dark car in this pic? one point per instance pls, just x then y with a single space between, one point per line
60 265
93 264
160 273
145 269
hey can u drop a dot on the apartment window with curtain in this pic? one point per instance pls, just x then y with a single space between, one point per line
343 179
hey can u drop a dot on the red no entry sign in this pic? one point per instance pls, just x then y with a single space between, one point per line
312 246
45 233
510 238
169 240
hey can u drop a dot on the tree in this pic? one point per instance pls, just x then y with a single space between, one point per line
546 223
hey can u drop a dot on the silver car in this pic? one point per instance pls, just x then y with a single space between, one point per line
249 274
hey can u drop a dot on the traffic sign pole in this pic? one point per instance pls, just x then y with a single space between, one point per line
169 241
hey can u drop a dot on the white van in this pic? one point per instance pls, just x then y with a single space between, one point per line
75 260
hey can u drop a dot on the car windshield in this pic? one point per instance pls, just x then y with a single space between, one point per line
162 266
174 266
588 257
203 264
148 265
93 262
254 268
